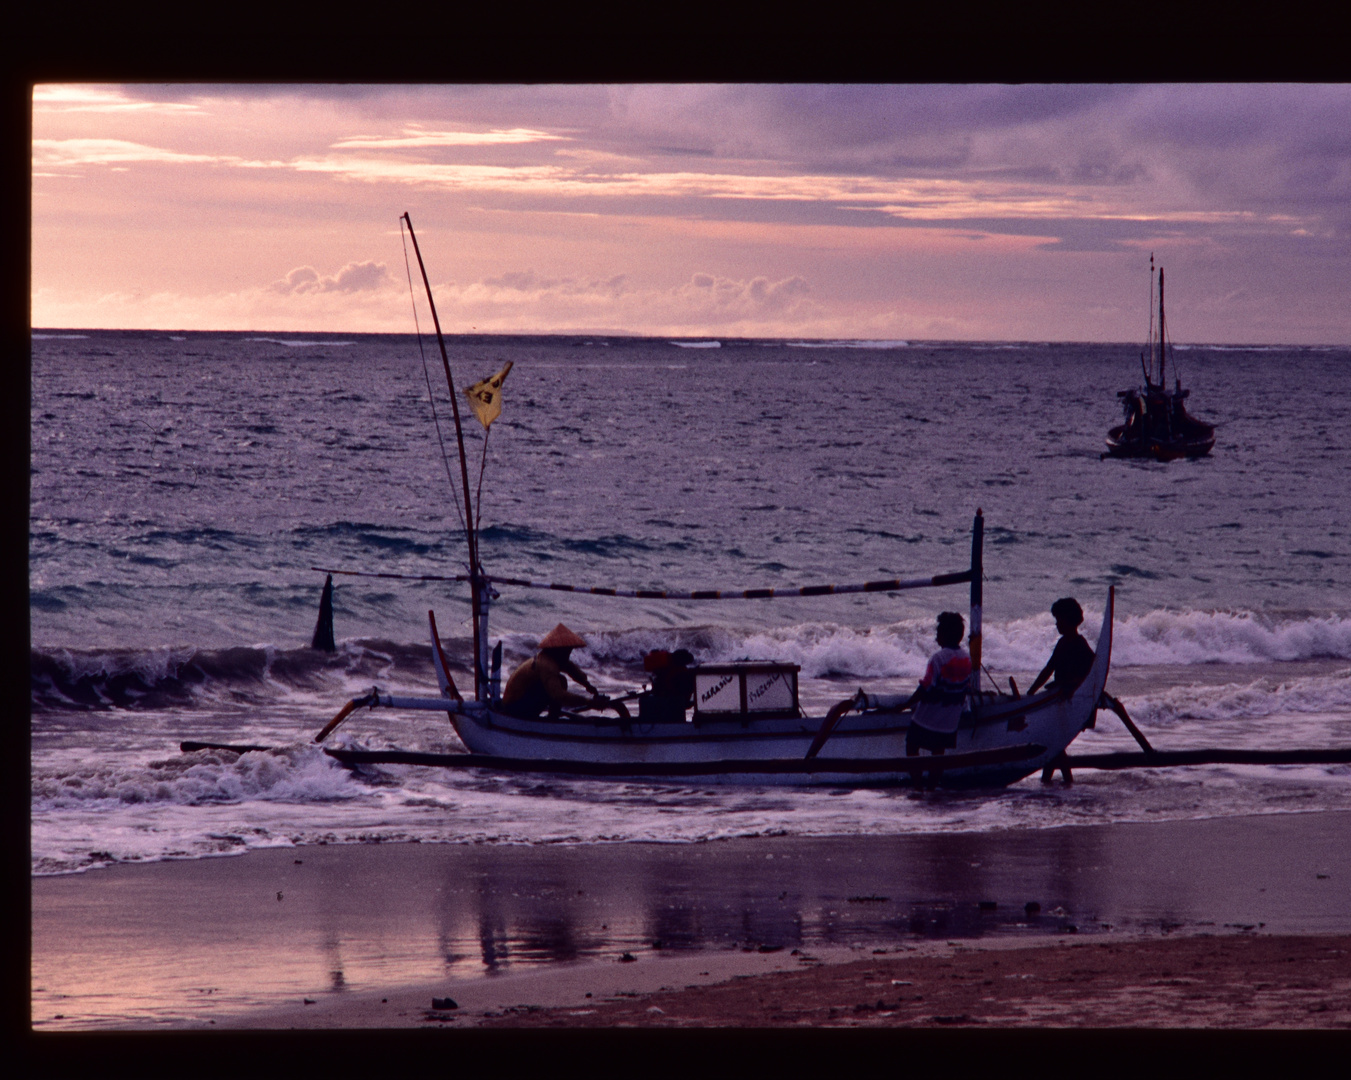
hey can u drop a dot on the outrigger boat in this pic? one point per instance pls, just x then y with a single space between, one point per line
745 724
1156 423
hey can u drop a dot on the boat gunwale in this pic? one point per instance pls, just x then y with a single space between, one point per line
970 721
993 757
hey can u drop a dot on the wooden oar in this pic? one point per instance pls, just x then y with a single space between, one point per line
344 712
616 703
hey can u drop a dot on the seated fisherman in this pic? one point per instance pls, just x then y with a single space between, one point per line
539 684
1072 659
674 679
941 694
672 685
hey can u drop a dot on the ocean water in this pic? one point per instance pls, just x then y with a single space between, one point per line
185 484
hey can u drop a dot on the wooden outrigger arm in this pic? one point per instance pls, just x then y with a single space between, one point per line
392 701
343 713
1106 701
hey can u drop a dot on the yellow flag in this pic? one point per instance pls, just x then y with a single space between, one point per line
485 397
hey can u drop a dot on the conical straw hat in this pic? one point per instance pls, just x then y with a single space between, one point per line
560 637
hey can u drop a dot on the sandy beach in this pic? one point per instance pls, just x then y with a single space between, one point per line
1196 982
1084 923
1239 981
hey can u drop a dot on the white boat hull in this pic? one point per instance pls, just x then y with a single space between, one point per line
1000 740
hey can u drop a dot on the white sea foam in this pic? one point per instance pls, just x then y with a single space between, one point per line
1241 637
175 677
215 806
1259 699
296 343
299 774
902 648
135 803
849 343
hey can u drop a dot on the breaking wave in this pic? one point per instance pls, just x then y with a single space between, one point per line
1248 701
288 774
92 679
903 648
84 679
1225 637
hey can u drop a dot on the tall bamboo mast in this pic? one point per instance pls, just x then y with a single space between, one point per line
977 573
475 571
1162 380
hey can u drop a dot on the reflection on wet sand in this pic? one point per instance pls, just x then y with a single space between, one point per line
141 941
529 906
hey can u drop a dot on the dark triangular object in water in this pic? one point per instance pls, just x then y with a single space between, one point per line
323 629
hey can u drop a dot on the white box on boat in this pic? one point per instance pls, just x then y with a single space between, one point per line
745 689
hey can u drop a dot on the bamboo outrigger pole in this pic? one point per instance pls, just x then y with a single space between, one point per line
476 583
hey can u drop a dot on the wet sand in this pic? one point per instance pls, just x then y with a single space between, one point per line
1247 982
366 936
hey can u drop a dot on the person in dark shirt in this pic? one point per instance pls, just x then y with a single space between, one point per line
1072 659
672 690
674 680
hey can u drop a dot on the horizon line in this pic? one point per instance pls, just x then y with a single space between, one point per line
897 342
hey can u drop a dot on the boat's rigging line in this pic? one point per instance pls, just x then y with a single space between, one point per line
478 492
431 396
479 617
1149 369
889 585
1162 339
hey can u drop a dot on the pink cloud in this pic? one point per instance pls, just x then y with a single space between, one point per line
759 295
354 277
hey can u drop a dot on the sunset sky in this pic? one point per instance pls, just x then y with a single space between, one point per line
839 211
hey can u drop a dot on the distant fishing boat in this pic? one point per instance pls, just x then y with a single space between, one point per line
743 721
1156 423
